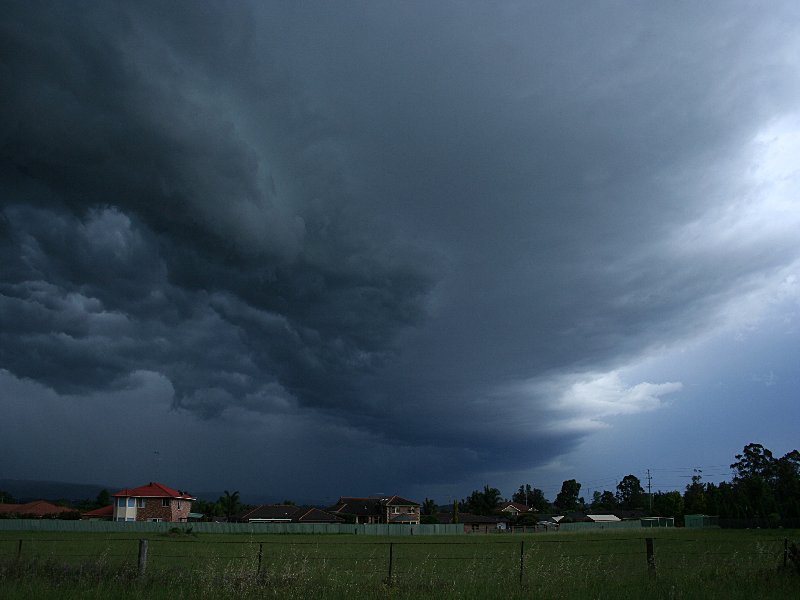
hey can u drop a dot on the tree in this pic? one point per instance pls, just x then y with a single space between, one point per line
103 499
668 504
429 507
630 494
567 498
754 475
694 498
604 500
482 502
531 497
6 498
230 503
455 511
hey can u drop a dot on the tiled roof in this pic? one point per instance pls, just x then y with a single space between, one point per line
369 506
516 505
288 513
105 511
153 490
398 501
316 515
37 508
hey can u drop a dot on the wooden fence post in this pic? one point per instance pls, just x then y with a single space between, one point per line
785 552
260 554
391 545
19 549
142 557
521 560
651 557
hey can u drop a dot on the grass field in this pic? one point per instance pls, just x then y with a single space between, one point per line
601 564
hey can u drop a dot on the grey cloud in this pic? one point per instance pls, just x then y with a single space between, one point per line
377 215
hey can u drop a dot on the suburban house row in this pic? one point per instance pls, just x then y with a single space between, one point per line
158 502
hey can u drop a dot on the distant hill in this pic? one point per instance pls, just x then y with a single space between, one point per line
24 490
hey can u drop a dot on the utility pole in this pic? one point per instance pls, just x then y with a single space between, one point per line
650 491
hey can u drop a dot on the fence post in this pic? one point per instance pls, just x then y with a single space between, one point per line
651 557
260 555
391 547
785 551
142 557
19 551
521 560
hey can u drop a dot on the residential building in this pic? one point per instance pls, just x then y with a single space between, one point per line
475 523
286 513
514 508
105 513
378 509
37 509
152 502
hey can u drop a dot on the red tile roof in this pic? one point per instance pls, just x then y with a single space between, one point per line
37 508
105 511
153 490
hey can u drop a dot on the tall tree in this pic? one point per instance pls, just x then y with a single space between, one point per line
103 498
630 494
694 498
230 503
754 469
604 500
483 502
668 504
531 497
429 507
567 498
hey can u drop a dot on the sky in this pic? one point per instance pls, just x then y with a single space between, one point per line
305 250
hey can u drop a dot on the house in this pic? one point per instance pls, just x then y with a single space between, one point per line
286 513
378 509
514 508
105 513
475 523
37 509
152 502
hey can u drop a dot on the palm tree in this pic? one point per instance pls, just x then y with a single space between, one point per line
230 503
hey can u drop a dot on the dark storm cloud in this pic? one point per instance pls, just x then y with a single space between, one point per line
156 241
417 223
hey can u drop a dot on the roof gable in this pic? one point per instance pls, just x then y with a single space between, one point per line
153 490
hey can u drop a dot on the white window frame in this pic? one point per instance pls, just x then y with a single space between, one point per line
140 503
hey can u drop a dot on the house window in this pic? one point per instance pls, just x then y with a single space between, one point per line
131 502
395 509
121 502
155 520
410 509
165 502
140 503
179 504
130 519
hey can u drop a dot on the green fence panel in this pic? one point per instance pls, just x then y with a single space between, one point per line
251 528
612 525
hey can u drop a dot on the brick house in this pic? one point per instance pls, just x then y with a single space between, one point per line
378 509
152 502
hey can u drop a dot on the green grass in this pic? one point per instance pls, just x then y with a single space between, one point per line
600 564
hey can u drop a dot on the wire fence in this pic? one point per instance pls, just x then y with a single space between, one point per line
525 558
